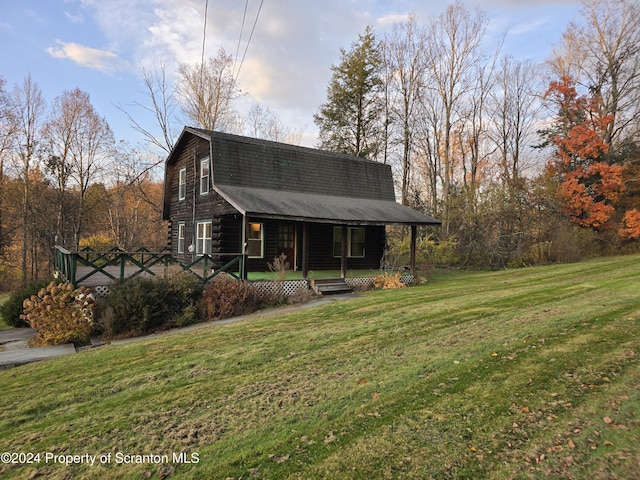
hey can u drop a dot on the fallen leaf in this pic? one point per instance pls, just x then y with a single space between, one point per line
607 442
571 444
525 410
607 420
375 395
362 381
472 448
494 354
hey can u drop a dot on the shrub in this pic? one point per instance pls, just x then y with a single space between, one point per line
140 305
12 309
225 297
388 281
60 314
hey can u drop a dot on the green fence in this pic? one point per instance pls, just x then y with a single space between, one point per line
86 265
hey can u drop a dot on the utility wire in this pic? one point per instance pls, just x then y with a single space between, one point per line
244 16
249 41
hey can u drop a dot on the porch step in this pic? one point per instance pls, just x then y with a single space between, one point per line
330 286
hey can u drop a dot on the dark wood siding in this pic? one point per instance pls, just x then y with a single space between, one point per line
195 207
321 248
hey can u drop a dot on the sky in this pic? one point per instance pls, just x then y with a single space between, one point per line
101 46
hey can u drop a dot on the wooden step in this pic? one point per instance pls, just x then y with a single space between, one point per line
330 286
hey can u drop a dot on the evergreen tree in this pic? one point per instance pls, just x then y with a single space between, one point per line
351 119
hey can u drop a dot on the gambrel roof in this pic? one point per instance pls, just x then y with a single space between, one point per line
261 178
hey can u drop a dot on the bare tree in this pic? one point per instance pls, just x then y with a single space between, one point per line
80 143
607 63
28 109
266 124
453 43
7 131
161 105
206 93
514 108
406 62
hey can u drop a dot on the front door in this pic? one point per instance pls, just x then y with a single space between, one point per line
287 244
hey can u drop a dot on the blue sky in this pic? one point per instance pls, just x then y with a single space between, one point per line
100 46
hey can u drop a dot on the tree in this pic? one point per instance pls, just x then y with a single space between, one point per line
80 143
453 44
514 108
589 187
28 109
603 55
406 62
7 130
206 93
349 121
266 124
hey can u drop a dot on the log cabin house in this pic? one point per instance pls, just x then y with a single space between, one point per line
227 195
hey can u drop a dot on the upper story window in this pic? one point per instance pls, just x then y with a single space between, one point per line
204 176
182 184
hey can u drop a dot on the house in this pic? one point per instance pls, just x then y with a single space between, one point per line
226 195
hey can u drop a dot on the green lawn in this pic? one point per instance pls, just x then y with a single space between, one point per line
3 298
530 373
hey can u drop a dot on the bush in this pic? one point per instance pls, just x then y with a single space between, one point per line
388 281
226 297
12 309
141 305
60 314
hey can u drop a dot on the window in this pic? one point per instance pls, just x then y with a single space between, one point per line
203 238
182 184
181 231
255 240
355 242
204 176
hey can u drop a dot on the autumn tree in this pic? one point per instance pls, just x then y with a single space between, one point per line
589 187
350 120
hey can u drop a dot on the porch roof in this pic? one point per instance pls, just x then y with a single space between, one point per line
292 205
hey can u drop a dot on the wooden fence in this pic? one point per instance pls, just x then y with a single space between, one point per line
90 268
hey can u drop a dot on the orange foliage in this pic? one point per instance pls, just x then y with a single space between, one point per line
589 187
630 229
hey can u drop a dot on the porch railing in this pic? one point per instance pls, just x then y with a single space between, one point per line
80 266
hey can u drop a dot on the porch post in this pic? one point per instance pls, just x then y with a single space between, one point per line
412 250
244 245
305 249
343 252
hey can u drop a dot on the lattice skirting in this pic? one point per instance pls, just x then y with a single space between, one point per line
287 287
367 282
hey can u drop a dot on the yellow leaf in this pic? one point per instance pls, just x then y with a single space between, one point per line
494 354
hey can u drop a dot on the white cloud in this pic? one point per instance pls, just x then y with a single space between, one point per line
93 58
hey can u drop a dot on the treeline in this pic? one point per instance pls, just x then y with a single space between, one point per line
63 182
523 163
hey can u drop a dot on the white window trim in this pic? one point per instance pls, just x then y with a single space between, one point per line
181 237
201 242
204 162
255 240
182 184
349 242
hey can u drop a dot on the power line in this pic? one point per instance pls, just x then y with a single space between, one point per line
204 38
249 41
244 16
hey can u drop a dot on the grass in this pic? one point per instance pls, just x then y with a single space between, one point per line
530 373
3 298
